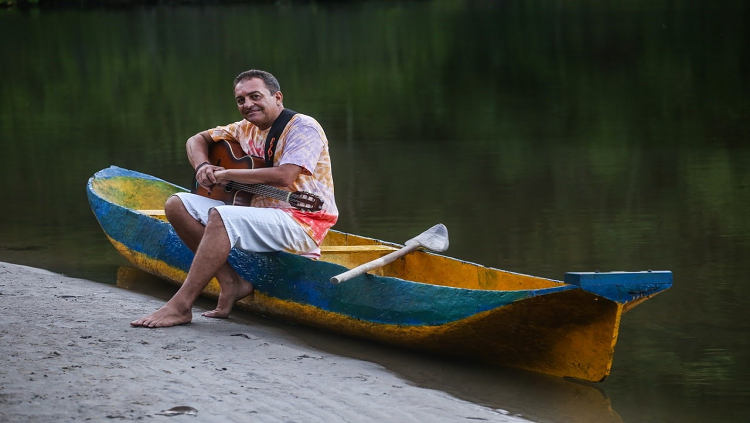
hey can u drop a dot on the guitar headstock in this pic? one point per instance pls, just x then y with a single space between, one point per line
306 201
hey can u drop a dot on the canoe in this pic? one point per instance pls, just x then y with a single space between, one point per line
422 301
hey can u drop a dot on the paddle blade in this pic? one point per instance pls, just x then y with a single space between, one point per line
433 239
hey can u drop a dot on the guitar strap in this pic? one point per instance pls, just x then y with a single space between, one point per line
273 135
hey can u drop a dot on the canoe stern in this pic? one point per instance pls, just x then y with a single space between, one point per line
627 288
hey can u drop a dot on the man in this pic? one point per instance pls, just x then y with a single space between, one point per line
211 229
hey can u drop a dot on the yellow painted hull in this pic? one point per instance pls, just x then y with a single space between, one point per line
423 301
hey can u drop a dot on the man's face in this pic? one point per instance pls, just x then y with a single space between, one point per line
256 104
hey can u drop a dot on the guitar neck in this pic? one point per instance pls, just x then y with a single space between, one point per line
264 190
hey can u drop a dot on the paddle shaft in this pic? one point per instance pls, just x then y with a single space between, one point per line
382 261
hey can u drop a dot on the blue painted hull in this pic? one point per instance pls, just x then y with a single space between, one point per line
427 316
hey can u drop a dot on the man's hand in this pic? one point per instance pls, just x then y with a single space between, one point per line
197 148
206 177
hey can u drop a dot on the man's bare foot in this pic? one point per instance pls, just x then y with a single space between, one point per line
164 317
229 295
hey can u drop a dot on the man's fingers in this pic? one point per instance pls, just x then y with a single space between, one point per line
207 178
210 174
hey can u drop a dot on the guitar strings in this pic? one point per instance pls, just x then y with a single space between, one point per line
277 193
261 189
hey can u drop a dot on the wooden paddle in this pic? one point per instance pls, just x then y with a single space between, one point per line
433 239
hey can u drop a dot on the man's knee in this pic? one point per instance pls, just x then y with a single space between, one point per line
214 217
215 225
174 208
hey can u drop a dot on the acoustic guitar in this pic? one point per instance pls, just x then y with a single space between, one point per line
230 156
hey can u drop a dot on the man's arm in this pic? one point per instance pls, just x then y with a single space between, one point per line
278 176
207 175
197 148
197 151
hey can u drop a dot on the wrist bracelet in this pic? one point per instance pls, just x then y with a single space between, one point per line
200 166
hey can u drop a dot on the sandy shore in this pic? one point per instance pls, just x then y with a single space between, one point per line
69 354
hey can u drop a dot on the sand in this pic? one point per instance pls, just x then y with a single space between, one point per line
69 353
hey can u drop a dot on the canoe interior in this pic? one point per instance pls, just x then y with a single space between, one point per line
428 268
149 195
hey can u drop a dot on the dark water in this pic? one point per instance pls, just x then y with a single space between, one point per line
549 137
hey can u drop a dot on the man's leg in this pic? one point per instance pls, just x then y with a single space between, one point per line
233 287
211 255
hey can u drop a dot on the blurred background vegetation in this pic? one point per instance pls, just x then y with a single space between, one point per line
548 137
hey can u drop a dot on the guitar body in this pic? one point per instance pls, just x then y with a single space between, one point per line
229 155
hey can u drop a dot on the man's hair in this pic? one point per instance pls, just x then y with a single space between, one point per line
269 80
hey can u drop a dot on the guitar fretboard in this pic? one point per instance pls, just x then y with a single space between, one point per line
261 189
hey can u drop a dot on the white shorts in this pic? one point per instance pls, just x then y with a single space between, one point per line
254 229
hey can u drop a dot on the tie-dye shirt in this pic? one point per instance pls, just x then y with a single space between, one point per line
302 143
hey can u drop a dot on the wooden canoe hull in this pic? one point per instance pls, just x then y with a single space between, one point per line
561 329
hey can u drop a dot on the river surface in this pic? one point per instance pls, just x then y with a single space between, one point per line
548 137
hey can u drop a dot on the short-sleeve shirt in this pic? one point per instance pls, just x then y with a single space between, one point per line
302 143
